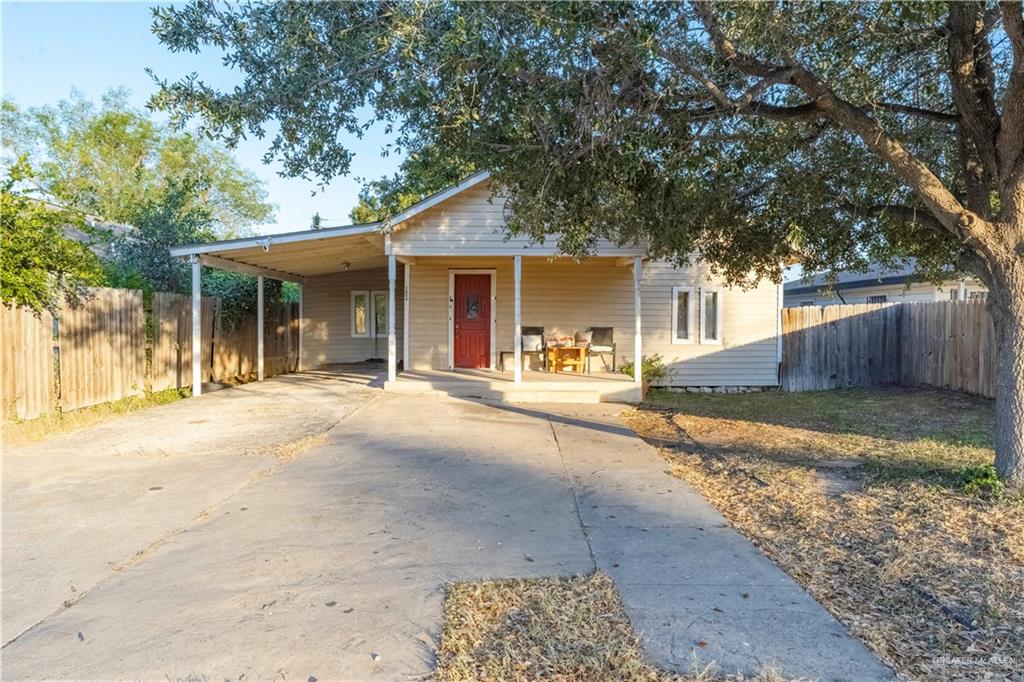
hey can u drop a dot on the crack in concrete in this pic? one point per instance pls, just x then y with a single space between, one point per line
575 495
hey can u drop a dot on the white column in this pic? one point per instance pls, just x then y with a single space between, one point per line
638 355
517 338
392 350
406 276
259 328
197 328
302 293
962 291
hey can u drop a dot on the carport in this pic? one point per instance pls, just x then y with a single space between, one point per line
288 257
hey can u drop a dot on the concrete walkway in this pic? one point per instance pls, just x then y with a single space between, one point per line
333 566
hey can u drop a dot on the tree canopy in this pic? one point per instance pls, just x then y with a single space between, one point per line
738 133
112 161
39 266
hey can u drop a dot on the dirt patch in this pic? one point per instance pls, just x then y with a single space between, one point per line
289 451
549 629
880 524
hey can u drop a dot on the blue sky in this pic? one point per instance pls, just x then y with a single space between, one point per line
49 48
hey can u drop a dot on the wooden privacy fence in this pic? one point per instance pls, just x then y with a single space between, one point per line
171 364
98 352
948 344
27 355
101 348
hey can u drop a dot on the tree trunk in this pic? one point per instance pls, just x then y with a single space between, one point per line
1007 305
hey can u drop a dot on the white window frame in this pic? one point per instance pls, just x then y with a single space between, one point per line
691 292
703 316
374 293
352 313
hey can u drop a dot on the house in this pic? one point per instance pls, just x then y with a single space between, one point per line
880 285
445 296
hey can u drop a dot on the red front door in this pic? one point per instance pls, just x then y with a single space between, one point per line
472 321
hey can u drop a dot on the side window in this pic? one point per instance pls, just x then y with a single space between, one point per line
682 315
711 316
360 313
878 299
380 313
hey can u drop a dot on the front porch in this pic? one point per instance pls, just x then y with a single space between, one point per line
534 386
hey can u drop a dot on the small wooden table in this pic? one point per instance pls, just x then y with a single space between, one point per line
560 357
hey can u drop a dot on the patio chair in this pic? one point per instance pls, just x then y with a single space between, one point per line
602 342
533 342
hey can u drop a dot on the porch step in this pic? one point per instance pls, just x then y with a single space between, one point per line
526 392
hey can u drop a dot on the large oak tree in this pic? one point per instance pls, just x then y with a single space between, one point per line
735 133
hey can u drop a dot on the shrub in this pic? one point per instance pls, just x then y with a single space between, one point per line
653 367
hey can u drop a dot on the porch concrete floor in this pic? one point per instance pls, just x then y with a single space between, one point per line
332 565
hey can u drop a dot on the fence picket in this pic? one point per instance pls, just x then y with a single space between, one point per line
947 344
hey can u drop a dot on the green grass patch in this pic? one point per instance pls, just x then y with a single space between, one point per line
31 430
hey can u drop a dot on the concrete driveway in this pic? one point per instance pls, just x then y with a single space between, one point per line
332 565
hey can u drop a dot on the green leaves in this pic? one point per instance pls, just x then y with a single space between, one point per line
110 161
602 120
39 266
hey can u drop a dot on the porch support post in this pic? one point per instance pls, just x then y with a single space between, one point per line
517 339
197 327
406 276
259 328
302 295
638 355
392 350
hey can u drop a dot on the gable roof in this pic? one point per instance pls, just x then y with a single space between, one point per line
435 199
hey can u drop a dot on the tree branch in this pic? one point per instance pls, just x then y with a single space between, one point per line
1011 130
970 77
964 224
930 114
746 63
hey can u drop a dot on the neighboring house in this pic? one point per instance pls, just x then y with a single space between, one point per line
880 285
459 286
99 234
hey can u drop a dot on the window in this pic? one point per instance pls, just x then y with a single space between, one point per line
805 304
954 295
360 313
711 316
978 296
682 314
380 313
878 299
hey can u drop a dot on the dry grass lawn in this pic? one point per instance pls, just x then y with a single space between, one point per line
881 503
546 629
20 432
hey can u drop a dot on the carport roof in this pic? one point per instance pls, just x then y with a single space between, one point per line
294 255
291 256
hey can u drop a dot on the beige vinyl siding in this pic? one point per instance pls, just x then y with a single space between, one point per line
471 223
428 307
327 322
559 293
747 354
576 296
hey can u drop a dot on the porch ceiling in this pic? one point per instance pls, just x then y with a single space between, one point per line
303 254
